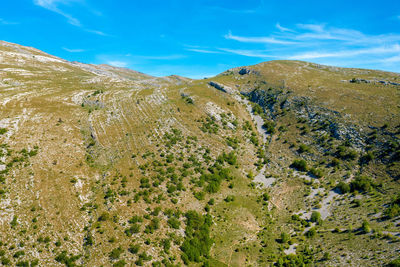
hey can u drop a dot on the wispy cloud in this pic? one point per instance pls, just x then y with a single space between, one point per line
129 60
73 50
264 40
6 22
248 53
232 10
53 5
162 57
307 34
319 42
117 63
312 27
97 32
204 51
282 29
394 59
349 53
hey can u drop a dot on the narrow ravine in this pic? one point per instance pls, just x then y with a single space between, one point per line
258 120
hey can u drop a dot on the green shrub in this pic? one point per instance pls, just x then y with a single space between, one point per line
116 253
357 202
343 187
303 257
317 172
152 226
311 233
345 153
67 260
104 217
120 263
266 197
269 126
300 165
394 263
197 243
14 222
393 209
229 198
5 261
133 229
257 109
365 227
135 219
303 148
316 217
22 264
362 183
335 162
174 223
327 256
134 248
285 237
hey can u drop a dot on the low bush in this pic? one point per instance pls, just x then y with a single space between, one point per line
300 165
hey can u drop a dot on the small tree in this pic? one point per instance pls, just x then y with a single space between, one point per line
343 187
300 165
311 233
316 217
285 237
365 227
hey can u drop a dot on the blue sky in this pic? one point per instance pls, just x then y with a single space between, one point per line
200 38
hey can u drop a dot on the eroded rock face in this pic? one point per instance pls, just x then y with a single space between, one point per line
244 71
358 80
221 87
331 122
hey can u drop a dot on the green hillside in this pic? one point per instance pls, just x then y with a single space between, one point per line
282 163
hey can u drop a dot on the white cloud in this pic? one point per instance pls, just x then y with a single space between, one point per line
309 34
117 63
265 40
73 50
97 32
6 22
283 29
347 53
166 57
317 41
204 51
312 27
53 5
394 59
248 53
230 10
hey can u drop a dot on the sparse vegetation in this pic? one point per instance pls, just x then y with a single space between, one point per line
111 170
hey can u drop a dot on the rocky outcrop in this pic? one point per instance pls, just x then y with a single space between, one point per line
273 101
221 87
96 104
358 80
244 71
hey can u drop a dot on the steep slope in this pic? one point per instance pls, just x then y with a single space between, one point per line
108 166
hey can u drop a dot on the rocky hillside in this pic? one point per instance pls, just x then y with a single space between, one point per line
282 163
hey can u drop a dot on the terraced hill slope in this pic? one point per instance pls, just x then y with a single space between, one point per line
284 163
